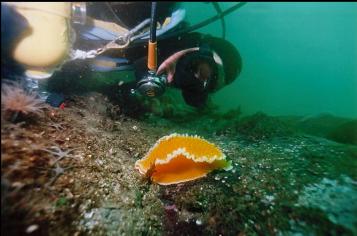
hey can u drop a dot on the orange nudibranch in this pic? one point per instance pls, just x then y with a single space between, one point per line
179 158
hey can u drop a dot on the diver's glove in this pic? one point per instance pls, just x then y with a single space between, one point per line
169 65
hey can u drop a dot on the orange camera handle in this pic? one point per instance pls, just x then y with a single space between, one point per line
152 56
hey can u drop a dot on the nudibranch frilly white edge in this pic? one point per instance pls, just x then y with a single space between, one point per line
179 158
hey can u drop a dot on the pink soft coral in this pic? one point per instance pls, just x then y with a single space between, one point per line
16 101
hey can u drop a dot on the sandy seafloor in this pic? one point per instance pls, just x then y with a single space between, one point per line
71 172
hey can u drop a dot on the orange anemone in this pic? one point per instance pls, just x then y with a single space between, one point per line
178 158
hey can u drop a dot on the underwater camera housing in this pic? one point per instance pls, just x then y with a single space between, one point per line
152 85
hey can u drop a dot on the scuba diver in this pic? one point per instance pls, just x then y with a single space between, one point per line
151 39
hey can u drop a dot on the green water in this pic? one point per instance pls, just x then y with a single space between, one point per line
298 58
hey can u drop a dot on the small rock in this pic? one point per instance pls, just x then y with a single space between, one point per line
88 215
31 228
69 195
17 185
198 222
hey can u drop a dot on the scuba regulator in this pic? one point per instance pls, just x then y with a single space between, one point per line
152 85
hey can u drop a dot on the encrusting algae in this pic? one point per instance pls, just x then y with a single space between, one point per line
179 158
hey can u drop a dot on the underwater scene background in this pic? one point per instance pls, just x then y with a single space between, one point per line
298 58
287 127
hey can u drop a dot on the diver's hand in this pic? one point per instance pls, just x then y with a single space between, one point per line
169 68
169 65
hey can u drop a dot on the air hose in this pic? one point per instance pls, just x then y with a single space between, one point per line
223 23
208 21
